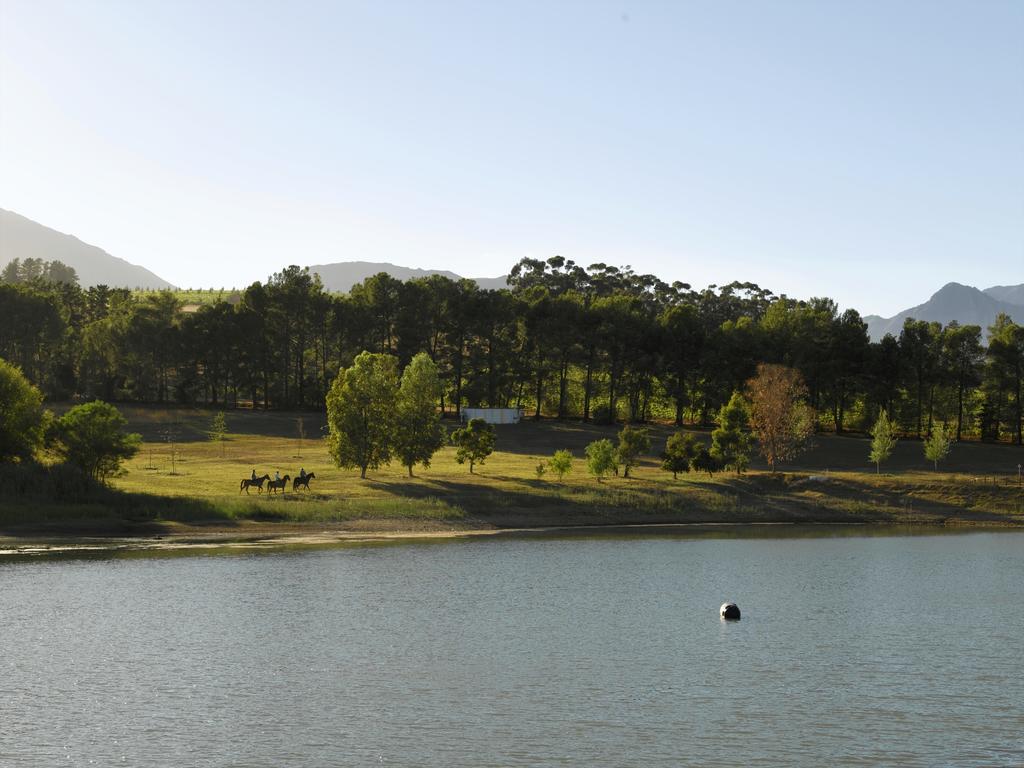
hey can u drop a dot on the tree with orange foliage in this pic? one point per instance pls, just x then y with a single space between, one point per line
779 414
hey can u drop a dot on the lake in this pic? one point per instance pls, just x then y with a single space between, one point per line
592 650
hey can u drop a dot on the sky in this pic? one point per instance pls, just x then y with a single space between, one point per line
867 151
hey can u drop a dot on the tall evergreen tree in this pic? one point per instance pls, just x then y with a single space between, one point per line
730 441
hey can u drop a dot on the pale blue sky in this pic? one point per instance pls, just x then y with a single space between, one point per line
870 151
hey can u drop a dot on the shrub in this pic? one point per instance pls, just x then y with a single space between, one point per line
561 463
22 418
601 458
92 437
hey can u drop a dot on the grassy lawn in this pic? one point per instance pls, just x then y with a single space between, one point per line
831 484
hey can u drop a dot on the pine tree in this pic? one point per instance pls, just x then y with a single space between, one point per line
730 442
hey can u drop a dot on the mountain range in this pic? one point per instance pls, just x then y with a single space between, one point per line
963 303
22 238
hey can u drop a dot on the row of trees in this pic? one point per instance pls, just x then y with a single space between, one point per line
374 416
883 441
597 343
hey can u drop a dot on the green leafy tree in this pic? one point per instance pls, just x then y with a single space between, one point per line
601 458
219 430
680 450
632 443
730 442
883 440
418 433
361 412
705 461
475 442
561 463
937 445
92 437
21 415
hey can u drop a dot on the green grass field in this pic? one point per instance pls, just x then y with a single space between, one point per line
196 297
833 483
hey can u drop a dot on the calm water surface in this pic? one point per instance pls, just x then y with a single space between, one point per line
602 651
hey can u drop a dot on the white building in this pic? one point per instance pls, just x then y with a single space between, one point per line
493 415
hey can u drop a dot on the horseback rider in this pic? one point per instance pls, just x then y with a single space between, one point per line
302 472
277 476
254 475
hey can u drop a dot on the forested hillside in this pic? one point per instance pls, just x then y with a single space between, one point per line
597 343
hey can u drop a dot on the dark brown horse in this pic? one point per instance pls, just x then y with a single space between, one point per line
303 481
278 485
248 483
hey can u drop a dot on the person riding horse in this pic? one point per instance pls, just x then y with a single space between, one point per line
302 480
252 482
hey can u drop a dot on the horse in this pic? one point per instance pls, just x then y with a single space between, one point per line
248 483
302 481
274 485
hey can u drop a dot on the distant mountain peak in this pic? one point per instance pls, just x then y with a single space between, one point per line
1010 294
22 238
954 301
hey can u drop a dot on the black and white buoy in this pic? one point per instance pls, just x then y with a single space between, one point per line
730 611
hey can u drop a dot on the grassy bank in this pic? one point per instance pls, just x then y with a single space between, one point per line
831 484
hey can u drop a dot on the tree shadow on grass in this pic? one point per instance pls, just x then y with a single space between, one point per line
747 499
41 498
569 505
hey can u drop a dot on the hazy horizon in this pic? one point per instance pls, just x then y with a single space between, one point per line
867 152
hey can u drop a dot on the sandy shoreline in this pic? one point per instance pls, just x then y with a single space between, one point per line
228 541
